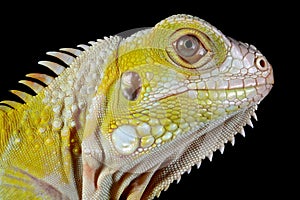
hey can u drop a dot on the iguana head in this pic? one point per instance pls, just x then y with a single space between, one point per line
171 96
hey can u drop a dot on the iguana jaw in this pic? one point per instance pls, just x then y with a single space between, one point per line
205 142
188 150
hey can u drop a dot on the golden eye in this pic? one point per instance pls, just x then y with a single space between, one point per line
189 48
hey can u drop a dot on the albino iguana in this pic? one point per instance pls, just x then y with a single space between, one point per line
129 115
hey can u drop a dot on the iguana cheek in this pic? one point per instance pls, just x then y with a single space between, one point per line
125 139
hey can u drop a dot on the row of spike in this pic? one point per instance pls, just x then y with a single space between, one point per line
231 140
7 105
221 149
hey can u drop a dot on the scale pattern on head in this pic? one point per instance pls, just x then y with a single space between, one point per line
174 81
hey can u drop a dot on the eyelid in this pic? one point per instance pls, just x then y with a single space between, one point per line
199 53
199 60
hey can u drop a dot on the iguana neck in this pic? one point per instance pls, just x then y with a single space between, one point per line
53 121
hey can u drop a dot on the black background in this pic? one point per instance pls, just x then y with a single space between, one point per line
258 166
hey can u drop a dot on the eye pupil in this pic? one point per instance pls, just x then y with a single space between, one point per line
190 48
188 44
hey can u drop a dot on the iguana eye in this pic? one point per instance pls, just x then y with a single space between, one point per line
189 48
131 85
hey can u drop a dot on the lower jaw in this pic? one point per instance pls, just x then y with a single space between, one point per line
202 143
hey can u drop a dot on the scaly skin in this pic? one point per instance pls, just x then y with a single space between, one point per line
130 116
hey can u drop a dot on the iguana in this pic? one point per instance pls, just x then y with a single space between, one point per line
129 115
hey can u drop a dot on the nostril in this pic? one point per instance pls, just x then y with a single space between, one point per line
261 63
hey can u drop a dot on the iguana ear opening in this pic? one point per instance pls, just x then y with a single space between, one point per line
131 85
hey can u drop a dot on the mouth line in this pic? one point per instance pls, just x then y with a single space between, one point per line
262 89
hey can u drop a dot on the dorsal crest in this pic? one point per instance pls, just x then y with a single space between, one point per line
69 58
66 55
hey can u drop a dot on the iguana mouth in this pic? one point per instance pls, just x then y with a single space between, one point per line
258 92
262 92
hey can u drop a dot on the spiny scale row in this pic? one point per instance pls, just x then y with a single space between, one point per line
221 149
7 105
64 56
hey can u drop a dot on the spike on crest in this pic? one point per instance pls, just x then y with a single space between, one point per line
62 56
12 104
41 77
158 194
232 140
249 122
210 156
222 148
33 85
75 52
92 43
83 46
242 132
254 116
189 170
199 164
56 68
23 95
167 187
5 108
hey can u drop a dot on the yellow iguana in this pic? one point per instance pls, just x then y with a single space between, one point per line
129 115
